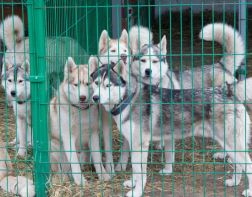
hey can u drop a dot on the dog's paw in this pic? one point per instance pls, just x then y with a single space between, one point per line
166 171
134 193
231 183
79 179
129 183
219 155
21 152
247 193
13 142
120 167
104 176
27 192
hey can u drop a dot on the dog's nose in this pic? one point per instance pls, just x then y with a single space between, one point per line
147 72
124 56
96 98
13 93
83 98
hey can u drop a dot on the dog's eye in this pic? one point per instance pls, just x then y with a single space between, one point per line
108 85
154 61
20 81
143 60
75 84
113 51
125 50
97 83
87 84
9 80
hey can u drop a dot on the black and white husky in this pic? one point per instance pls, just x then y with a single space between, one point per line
144 112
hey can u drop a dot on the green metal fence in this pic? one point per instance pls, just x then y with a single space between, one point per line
58 29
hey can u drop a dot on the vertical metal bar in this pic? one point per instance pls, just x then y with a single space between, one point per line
36 21
241 72
116 16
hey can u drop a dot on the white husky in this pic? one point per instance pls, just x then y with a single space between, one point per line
15 80
74 120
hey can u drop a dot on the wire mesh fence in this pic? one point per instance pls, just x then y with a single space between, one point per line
125 98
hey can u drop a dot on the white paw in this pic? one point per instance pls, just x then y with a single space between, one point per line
79 179
247 192
219 155
134 193
120 167
27 192
21 152
103 176
129 183
230 183
166 170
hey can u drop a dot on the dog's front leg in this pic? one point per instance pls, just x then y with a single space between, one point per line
21 132
139 156
124 157
169 157
70 148
95 150
107 137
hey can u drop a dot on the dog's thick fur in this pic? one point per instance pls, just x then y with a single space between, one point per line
15 80
8 182
74 121
197 120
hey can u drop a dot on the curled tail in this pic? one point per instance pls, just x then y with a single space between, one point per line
139 36
12 31
230 39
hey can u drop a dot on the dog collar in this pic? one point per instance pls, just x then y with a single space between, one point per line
117 109
81 108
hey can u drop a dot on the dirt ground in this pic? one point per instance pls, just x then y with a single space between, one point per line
196 173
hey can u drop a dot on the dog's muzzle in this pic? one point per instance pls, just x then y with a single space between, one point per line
96 98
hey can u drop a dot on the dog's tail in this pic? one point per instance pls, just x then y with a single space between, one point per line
12 31
139 36
230 39
242 90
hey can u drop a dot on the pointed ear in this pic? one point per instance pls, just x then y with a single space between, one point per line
103 41
162 45
121 69
92 64
26 66
69 66
124 37
6 65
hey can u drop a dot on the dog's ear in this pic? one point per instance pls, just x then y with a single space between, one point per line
69 66
124 37
26 66
92 64
162 45
6 65
103 41
121 69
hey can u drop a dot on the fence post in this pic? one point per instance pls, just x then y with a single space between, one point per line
36 27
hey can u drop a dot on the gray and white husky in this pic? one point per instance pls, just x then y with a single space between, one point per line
150 61
138 113
15 80
74 121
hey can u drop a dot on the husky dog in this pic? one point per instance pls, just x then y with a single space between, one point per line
57 49
131 103
114 50
145 64
15 80
17 185
74 120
